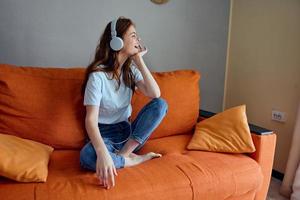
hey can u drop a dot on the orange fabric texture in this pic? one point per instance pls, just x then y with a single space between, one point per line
227 131
264 156
183 110
23 160
179 174
42 104
55 108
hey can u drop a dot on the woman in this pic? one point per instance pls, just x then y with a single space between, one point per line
110 81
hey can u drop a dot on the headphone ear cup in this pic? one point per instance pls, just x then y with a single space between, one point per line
116 43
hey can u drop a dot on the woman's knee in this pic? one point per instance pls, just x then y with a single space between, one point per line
162 104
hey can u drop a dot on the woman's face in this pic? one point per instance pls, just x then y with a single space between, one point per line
131 41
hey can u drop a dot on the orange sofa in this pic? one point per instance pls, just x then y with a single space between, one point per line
45 105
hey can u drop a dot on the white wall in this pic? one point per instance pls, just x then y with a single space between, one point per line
182 34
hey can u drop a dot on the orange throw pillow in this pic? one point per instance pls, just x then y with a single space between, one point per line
226 132
23 160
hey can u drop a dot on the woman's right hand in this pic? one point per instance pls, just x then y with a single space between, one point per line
105 170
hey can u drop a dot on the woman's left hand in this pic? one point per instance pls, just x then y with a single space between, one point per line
136 57
142 50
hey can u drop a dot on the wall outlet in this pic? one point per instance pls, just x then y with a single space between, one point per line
278 116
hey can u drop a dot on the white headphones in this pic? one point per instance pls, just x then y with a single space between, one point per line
116 43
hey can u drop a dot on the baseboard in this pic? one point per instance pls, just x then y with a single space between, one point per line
278 175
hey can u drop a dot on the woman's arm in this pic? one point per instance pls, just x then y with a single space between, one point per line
91 124
105 168
148 85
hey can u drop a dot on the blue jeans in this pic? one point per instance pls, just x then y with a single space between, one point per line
116 135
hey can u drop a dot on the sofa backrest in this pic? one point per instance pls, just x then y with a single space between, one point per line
180 89
45 104
42 104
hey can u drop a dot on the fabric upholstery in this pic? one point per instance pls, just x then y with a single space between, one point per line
23 160
183 110
227 131
42 104
53 113
173 176
264 156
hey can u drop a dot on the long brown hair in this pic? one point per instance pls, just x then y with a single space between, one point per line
105 56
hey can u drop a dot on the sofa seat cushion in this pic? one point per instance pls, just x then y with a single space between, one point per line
223 175
167 145
66 180
179 174
226 174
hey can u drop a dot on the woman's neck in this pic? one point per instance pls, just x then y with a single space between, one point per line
121 58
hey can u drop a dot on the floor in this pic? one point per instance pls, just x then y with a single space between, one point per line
273 193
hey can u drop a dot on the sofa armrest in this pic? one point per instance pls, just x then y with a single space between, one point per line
264 156
264 141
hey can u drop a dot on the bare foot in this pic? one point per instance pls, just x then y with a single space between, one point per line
135 159
151 155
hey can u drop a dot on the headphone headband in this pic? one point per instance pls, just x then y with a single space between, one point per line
113 27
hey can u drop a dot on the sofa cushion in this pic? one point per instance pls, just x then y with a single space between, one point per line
23 160
178 174
223 175
238 172
227 131
147 180
183 110
42 104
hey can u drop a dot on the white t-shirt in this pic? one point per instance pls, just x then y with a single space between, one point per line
114 106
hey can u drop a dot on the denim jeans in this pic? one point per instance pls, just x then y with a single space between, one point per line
116 135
